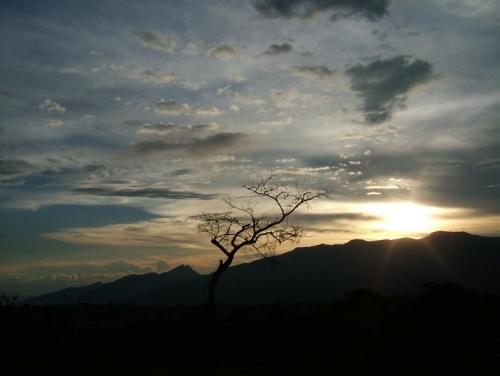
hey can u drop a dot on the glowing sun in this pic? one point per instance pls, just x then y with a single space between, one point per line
404 217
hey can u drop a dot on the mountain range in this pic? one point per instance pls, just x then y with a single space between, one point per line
315 273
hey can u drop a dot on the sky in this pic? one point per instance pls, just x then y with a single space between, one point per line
121 120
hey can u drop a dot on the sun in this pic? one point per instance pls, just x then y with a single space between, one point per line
404 218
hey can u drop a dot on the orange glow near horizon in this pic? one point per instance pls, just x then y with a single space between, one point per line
404 218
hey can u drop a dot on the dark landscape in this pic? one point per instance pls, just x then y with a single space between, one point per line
316 317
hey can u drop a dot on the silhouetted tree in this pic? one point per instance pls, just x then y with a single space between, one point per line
241 227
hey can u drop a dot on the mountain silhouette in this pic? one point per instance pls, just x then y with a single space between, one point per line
313 273
173 285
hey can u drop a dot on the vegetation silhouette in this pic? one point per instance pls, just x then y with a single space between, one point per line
242 227
8 300
443 329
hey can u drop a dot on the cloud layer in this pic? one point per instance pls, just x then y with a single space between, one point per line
156 40
371 9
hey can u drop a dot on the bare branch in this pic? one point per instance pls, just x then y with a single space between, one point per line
218 245
241 227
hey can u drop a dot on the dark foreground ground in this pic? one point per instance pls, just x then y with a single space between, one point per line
445 330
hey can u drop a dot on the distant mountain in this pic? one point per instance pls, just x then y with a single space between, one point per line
177 286
314 273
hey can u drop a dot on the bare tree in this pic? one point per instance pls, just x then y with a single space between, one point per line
241 227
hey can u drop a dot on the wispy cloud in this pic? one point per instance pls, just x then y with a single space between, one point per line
371 9
156 41
223 52
278 49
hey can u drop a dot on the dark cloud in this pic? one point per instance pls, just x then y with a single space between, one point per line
329 218
172 130
384 84
14 166
320 72
142 192
149 147
156 41
461 183
181 171
277 49
223 52
64 171
170 107
370 9
213 143
210 145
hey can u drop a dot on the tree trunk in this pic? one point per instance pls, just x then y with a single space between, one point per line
214 279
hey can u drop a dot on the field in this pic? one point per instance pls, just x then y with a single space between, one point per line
445 329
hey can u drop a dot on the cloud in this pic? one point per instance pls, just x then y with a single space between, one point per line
278 49
148 192
85 270
331 222
171 107
139 234
155 76
248 99
156 41
303 9
291 98
437 177
385 187
210 145
48 105
54 122
320 73
152 76
181 171
459 183
206 111
304 171
330 218
223 52
176 131
14 166
36 280
73 70
193 48
384 84
194 86
238 78
162 266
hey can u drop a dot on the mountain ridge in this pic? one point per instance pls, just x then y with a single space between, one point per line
312 273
